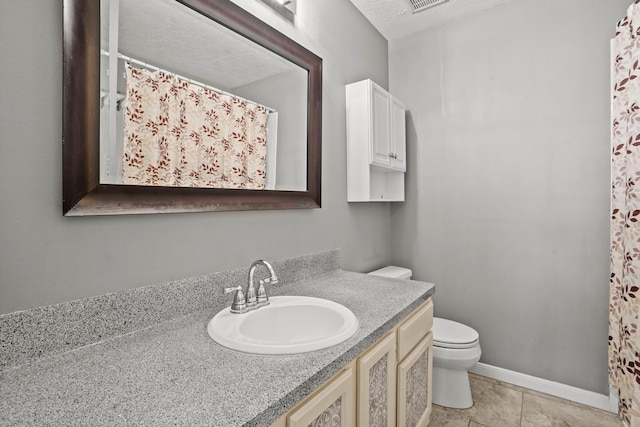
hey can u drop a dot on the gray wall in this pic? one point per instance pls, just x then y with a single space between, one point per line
508 183
46 258
507 189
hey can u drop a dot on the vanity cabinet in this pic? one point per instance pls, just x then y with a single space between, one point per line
398 393
388 385
331 406
377 384
414 385
376 144
415 355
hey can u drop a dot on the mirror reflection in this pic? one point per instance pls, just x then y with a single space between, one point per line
186 102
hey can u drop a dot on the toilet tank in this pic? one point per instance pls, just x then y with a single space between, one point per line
393 272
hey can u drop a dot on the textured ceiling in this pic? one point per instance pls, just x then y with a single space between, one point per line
173 37
394 20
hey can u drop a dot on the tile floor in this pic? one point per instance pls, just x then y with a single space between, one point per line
498 404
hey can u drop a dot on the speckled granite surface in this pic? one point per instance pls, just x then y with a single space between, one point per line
58 328
172 373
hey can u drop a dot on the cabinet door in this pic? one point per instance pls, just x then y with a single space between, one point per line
380 125
377 385
331 406
414 385
414 328
398 146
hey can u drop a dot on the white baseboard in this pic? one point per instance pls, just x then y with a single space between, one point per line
585 397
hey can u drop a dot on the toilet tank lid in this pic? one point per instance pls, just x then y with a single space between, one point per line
393 272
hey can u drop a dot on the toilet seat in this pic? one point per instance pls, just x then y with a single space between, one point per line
450 334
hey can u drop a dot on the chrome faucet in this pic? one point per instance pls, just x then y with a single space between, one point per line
243 302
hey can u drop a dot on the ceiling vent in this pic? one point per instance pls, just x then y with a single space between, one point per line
418 5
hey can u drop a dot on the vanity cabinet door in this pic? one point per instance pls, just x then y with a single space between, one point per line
377 384
414 385
333 405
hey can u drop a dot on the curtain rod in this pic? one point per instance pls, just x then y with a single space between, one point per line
206 86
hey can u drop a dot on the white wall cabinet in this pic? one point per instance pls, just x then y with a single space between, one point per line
388 385
376 144
388 128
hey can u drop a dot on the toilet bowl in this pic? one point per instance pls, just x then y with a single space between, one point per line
456 349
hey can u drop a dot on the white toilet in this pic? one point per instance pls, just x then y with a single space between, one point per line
456 348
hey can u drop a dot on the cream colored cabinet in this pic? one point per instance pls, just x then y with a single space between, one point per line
376 144
414 328
331 406
398 393
414 385
388 385
377 384
415 355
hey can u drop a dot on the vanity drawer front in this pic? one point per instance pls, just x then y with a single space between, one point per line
416 327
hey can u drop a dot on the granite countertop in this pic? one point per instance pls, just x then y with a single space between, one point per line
173 373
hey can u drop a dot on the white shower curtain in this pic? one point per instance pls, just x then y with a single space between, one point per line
624 303
181 134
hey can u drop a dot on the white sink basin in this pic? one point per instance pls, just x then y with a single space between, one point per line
288 325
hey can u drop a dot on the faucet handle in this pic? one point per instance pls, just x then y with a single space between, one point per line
263 299
239 304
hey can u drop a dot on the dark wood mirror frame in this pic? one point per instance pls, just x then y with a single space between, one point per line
82 192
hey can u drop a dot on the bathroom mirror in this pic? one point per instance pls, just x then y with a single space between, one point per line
214 35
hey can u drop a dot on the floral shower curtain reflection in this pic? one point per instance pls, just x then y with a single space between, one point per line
181 134
624 302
